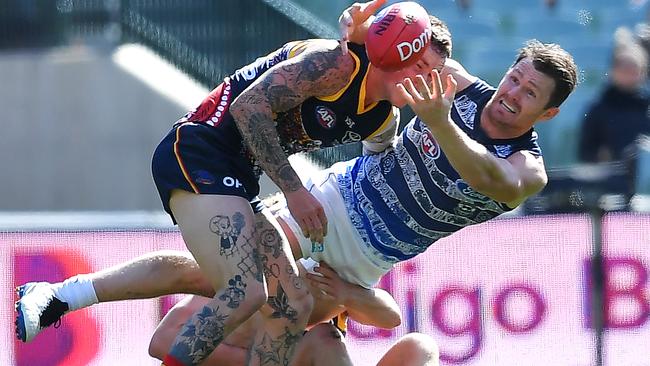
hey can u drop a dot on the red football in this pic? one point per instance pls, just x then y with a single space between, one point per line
399 35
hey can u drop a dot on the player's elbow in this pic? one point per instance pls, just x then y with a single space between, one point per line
393 320
486 184
172 323
387 320
506 191
512 192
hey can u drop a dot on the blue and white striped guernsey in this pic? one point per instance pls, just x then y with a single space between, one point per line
402 200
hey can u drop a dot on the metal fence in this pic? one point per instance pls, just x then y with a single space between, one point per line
207 39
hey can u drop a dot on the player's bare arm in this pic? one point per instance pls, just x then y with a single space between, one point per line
318 71
374 306
505 180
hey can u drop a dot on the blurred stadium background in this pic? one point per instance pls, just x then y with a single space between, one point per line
90 86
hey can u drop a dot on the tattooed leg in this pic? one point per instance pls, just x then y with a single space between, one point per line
219 231
289 303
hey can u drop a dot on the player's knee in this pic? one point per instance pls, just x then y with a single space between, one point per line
248 296
156 346
418 349
171 324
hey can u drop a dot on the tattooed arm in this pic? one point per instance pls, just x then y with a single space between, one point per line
319 70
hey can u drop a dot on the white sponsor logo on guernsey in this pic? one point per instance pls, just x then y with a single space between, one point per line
503 151
466 109
325 117
231 182
430 145
349 122
250 71
350 136
407 49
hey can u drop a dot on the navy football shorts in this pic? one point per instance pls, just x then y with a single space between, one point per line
199 158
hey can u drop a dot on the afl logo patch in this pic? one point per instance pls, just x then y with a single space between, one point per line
430 146
325 117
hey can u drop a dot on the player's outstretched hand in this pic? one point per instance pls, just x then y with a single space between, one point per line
328 284
308 213
354 16
429 102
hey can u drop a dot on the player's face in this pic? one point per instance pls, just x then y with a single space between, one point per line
521 99
429 61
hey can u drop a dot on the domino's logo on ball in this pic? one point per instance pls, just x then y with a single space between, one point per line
398 36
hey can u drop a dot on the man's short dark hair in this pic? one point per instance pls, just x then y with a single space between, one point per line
440 36
553 61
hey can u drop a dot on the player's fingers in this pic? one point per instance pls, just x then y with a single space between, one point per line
316 230
373 6
410 87
323 221
304 228
317 236
345 23
450 91
324 270
422 87
325 295
401 90
322 288
307 227
355 9
351 14
436 84
316 280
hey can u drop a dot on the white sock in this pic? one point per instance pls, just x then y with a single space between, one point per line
77 291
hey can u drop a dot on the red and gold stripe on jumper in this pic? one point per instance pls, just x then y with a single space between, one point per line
179 160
